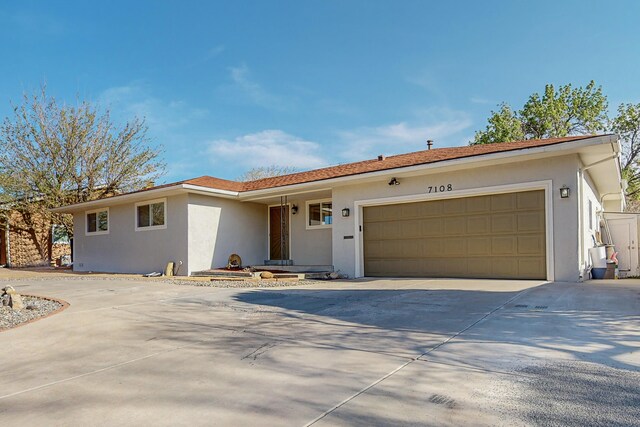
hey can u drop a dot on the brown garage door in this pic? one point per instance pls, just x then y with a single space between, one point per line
496 236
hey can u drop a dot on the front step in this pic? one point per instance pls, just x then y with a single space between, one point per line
278 262
222 273
295 268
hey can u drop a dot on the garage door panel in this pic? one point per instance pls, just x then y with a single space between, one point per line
495 236
432 227
455 226
431 209
411 248
479 246
454 206
503 202
504 223
432 247
410 229
478 224
455 246
530 245
410 211
530 221
529 268
478 205
479 267
503 245
503 268
530 200
392 212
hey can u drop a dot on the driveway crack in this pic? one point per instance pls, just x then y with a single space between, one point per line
412 360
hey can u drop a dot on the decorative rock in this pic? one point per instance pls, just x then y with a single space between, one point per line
6 299
266 275
16 302
9 290
333 275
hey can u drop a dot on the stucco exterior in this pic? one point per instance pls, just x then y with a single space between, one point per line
219 227
124 250
309 246
559 170
207 224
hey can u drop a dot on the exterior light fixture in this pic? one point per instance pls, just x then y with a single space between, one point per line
394 181
294 210
345 212
564 192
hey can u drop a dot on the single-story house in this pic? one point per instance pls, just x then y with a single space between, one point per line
526 209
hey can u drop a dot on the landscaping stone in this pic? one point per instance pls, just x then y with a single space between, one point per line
266 275
16 302
39 307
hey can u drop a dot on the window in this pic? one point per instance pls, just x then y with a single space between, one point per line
319 214
98 221
59 235
151 215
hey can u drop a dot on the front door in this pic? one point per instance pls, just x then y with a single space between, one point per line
279 232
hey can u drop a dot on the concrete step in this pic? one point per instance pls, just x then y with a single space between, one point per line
271 262
222 273
296 268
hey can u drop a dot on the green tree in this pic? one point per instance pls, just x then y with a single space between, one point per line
627 125
504 125
54 154
557 113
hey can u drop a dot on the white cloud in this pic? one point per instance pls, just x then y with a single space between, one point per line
266 148
252 90
405 136
161 115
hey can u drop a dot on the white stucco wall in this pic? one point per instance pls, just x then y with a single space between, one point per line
219 227
125 250
560 170
309 247
591 223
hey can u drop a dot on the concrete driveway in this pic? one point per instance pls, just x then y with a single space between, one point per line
380 352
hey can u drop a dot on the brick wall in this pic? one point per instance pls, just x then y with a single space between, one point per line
31 245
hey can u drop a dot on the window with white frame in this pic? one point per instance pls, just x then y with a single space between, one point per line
97 221
319 214
151 215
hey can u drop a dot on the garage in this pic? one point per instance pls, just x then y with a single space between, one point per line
500 236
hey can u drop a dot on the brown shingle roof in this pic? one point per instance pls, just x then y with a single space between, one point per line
400 161
392 162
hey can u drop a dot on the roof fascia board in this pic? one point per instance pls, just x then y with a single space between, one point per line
142 195
465 162
210 191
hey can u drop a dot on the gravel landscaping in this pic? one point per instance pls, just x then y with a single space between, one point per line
34 308
174 280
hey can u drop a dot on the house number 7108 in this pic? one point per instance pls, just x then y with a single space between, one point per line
439 189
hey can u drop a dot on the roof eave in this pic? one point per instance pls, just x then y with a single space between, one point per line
144 195
464 162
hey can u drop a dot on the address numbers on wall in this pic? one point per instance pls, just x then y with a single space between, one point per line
439 188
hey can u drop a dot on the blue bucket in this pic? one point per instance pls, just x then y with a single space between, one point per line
598 273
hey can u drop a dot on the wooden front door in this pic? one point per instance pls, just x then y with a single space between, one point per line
279 232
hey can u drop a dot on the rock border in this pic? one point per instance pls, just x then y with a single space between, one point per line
64 306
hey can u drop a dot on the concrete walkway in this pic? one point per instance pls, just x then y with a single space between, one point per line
380 352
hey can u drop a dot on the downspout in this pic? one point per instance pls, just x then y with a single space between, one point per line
581 245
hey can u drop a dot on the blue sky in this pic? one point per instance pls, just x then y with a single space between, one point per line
227 86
